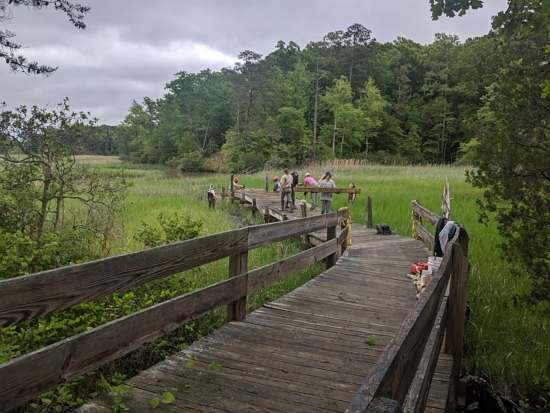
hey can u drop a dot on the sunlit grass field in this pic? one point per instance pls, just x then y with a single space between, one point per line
508 342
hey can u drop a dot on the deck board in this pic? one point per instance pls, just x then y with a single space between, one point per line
304 352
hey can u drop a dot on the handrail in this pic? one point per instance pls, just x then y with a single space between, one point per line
33 373
419 230
31 296
405 370
317 189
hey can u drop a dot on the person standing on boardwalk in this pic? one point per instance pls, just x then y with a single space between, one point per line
326 197
295 180
211 197
286 189
310 181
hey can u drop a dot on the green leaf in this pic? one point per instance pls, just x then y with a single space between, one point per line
167 398
190 362
154 402
371 340
215 366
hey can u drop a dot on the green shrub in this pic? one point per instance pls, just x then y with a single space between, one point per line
177 227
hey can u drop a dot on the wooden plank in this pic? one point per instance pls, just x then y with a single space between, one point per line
424 213
331 234
457 314
328 190
394 372
268 233
420 387
36 372
266 275
424 235
368 213
383 405
238 264
31 296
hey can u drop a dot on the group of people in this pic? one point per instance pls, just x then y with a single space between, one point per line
288 182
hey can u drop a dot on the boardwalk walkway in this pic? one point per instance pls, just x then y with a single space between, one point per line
305 352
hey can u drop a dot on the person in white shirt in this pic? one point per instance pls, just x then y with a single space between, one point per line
286 189
326 197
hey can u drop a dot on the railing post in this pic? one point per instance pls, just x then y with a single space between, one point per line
231 187
456 320
303 208
224 192
368 212
266 184
254 206
331 234
238 264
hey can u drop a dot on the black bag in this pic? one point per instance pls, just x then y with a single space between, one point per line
383 229
295 178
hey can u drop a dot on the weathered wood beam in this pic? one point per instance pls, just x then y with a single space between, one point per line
424 213
394 372
28 376
327 190
264 234
31 296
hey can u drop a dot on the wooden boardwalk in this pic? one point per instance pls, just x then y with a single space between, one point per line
308 351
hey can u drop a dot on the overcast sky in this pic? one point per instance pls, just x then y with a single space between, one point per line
131 48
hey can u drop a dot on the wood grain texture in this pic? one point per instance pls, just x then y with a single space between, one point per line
307 351
417 396
396 369
40 370
424 235
424 213
316 189
268 233
266 275
28 297
238 264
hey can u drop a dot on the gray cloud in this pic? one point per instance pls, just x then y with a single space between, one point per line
131 48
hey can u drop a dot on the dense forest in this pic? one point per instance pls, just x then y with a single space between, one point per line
345 96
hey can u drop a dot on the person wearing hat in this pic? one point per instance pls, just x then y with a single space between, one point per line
310 181
211 194
326 197
286 189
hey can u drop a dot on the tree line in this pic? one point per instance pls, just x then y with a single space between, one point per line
345 96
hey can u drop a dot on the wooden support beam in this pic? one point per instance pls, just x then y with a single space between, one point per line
454 341
368 213
238 264
331 234
303 209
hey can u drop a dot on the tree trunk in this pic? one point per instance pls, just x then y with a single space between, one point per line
334 137
366 146
44 200
342 146
315 110
205 138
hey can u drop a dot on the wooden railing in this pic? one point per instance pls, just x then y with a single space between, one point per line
419 213
29 297
401 378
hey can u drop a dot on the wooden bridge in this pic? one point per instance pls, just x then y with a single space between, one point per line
353 339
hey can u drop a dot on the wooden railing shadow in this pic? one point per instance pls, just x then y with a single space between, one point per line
402 376
36 295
